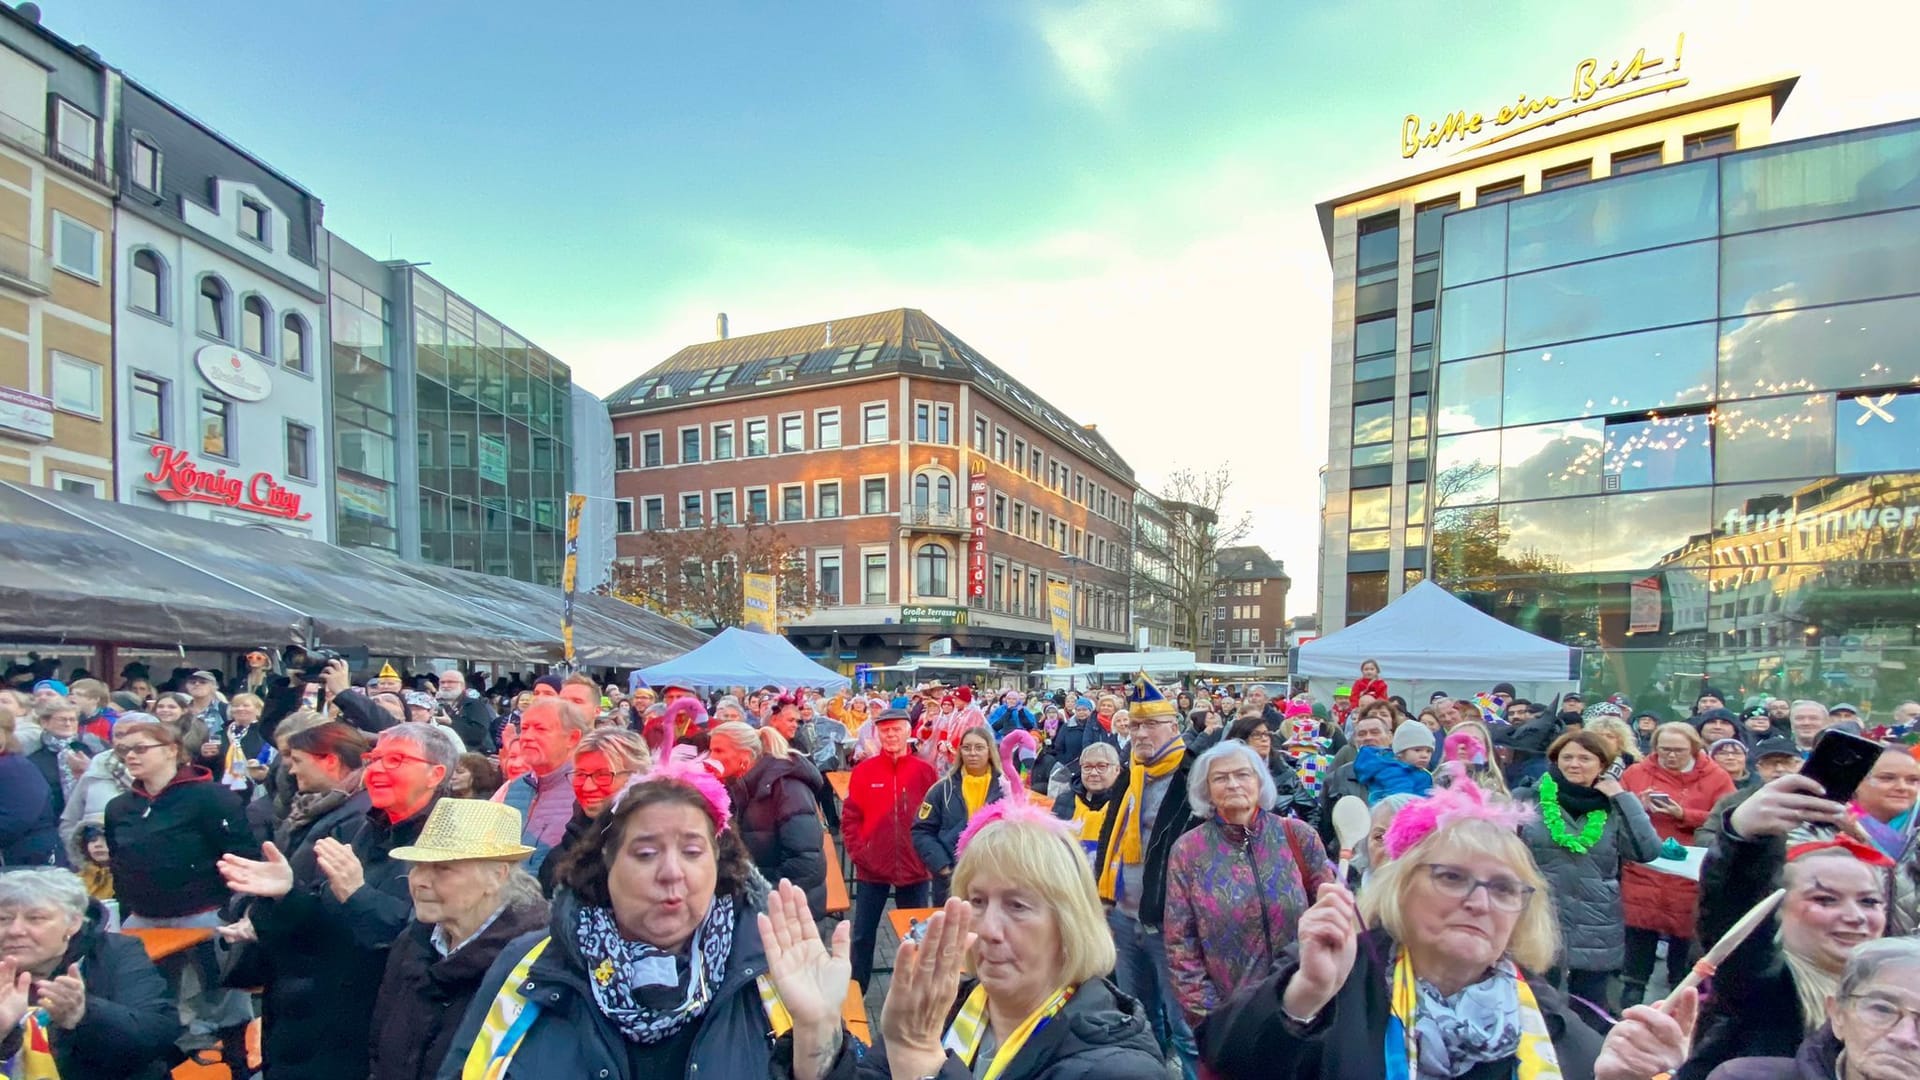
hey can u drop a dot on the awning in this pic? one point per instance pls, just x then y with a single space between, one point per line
737 657
62 578
205 583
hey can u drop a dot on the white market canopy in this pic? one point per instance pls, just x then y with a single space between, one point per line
737 657
1429 638
937 663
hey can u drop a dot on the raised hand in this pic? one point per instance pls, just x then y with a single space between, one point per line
64 997
1647 1042
16 995
1329 934
235 933
344 873
811 978
269 876
1778 808
926 979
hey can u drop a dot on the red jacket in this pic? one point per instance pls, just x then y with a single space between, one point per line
1665 903
1376 687
883 795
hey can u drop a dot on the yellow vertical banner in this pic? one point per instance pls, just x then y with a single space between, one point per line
757 604
570 574
1060 607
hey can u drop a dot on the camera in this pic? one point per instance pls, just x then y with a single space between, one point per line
312 663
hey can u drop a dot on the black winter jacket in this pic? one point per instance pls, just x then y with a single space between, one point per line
1174 820
472 720
167 846
424 995
578 827
941 820
348 943
131 1021
48 761
1338 783
1754 1010
29 826
358 710
1070 739
777 817
1102 1034
1250 1037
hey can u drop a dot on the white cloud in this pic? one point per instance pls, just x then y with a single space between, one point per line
1093 41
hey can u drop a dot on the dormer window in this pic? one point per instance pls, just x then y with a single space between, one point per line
254 220
146 166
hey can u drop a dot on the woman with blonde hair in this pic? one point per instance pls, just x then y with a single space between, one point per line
776 813
1626 748
974 782
1470 744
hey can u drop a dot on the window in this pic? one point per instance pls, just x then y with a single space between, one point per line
793 434
253 220
1373 434
216 426
623 515
622 452
757 505
1472 320
1501 192
1822 263
874 587
1814 179
980 433
689 445
1373 342
653 513
74 133
793 502
146 283
690 510
1000 511
826 499
826 429
1034 468
253 325
149 407
76 247
79 485
1475 247
1366 594
1379 243
930 570
723 442
299 451
873 495
1656 369
146 166
293 343
1707 144
723 508
1880 438
1566 176
1019 519
922 491
873 423
922 422
827 578
76 385
1776 438
998 596
1020 460
757 438
650 453
1658 452
1000 445
1670 206
1610 296
943 424
1633 161
213 308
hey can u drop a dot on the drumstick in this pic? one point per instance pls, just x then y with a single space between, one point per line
1740 931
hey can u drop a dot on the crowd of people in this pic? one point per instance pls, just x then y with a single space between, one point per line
429 877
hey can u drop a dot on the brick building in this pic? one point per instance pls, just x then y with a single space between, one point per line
1250 607
934 495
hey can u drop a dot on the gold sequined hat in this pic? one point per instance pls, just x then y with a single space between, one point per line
467 829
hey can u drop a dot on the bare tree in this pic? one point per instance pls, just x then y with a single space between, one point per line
1176 540
696 574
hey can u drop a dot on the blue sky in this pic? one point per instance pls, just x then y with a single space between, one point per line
1113 198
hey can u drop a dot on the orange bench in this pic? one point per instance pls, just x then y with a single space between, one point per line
838 901
853 1013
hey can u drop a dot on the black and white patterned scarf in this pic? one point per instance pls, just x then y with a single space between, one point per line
649 993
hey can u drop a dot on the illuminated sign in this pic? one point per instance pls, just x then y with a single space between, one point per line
178 478
1591 89
977 547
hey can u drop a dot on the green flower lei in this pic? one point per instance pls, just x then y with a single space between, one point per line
1556 821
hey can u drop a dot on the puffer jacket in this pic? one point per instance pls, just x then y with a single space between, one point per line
1071 739
571 1038
1586 888
1101 1034
166 846
942 818
104 779
883 798
130 1024
424 995
1232 907
1754 1010
1817 1059
29 829
778 819
1660 902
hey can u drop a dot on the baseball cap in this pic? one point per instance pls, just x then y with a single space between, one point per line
1845 706
207 675
417 700
1778 744
54 685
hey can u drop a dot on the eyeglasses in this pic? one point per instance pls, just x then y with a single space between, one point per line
1096 766
601 779
1879 1014
1241 776
391 761
125 752
1503 893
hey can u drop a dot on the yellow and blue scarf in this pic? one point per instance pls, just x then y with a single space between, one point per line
970 1027
1535 1058
34 1061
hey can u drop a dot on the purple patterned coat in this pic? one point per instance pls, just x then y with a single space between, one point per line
1232 907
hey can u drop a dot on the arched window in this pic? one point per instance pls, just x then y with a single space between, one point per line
253 325
293 343
213 308
930 570
943 492
920 485
148 284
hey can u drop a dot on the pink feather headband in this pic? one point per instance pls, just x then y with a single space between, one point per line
1016 809
1461 801
681 770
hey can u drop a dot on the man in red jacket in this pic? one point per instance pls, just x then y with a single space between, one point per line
883 795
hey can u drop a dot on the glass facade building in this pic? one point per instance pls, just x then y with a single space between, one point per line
493 440
365 492
1674 418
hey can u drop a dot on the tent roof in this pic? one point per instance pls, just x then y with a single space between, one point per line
736 657
1430 634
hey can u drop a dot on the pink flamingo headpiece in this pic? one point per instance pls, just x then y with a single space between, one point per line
679 768
1462 801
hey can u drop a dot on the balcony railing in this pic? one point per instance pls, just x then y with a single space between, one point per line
24 266
33 137
924 516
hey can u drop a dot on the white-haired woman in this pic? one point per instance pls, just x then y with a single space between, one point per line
100 1006
1873 1028
1025 918
1238 884
1444 982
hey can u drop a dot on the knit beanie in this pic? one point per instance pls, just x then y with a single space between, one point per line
1412 736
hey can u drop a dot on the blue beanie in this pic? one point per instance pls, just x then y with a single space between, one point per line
1083 703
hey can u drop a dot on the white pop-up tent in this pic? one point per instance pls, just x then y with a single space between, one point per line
1428 641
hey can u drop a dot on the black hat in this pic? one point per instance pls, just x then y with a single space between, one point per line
553 682
1701 719
1572 695
136 670
1708 691
1778 744
1528 738
1504 688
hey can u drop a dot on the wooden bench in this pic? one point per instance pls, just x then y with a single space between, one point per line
164 941
902 919
853 1013
838 902
841 780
